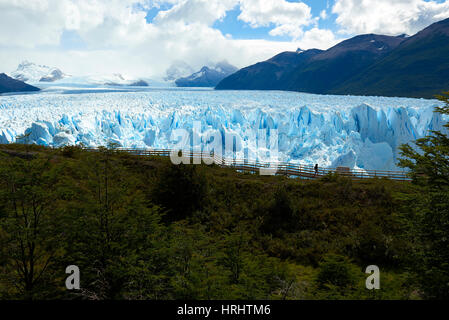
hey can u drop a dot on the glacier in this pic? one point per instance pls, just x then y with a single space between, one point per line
356 132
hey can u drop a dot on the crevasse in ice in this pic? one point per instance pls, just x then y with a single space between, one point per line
358 132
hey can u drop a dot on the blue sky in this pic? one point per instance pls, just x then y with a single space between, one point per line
241 30
145 37
238 29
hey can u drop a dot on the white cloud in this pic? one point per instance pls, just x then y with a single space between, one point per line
26 23
387 16
318 38
151 59
287 29
21 22
196 11
289 18
323 15
119 39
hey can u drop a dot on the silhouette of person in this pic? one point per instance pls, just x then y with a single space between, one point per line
316 169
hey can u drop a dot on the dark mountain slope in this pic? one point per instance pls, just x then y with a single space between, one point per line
419 67
313 71
340 63
416 66
266 75
8 84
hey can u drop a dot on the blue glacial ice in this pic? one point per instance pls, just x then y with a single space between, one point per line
358 132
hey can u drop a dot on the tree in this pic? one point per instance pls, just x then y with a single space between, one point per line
335 271
429 167
181 190
280 216
29 235
113 226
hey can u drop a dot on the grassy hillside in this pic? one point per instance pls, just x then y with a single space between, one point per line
141 228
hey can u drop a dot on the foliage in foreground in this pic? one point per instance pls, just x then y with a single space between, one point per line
137 232
429 210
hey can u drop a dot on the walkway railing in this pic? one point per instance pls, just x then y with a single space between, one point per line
280 168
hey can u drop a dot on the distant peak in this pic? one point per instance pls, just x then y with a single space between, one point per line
119 75
28 71
26 63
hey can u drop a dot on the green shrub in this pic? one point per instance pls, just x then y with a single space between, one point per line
336 271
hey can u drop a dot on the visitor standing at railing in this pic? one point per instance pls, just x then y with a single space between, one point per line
316 169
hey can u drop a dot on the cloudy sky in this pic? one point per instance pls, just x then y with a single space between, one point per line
144 37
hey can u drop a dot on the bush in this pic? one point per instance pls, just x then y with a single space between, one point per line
280 215
336 271
181 190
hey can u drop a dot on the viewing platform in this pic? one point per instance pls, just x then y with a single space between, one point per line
279 168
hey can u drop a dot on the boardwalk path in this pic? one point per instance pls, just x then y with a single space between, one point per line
283 168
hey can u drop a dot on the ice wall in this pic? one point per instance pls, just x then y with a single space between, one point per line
358 132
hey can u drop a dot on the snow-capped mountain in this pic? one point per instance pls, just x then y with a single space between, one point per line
34 73
115 79
208 76
40 74
179 69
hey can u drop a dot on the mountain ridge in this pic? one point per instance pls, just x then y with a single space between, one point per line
416 66
8 84
208 76
268 72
